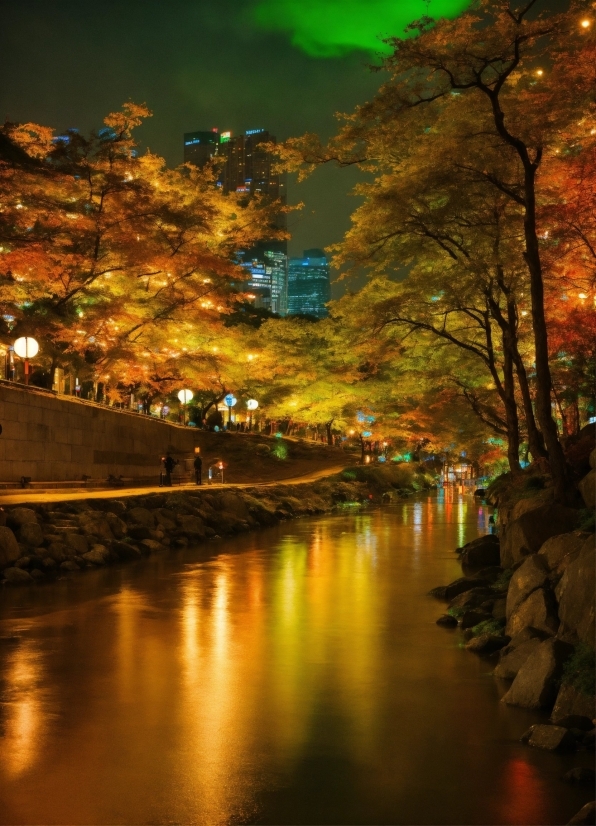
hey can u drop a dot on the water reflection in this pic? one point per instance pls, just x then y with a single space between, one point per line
296 677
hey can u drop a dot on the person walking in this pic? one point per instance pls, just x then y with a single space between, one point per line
198 465
169 464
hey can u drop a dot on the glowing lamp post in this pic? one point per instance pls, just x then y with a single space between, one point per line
185 396
251 404
230 401
26 348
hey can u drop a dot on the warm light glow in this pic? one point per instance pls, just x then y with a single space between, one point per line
539 72
26 347
185 396
582 296
586 24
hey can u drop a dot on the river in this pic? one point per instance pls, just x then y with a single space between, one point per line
292 675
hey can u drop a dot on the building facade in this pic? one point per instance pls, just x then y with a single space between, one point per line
246 168
309 286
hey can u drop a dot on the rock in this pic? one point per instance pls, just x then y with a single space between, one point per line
472 618
192 526
48 563
140 532
557 547
9 547
586 815
587 488
98 555
550 738
125 550
514 655
2 517
30 533
481 552
580 775
447 620
530 575
165 519
17 576
535 685
233 504
572 703
575 723
438 592
491 573
527 533
150 545
37 574
576 595
593 459
499 608
77 543
462 584
589 740
538 611
69 565
117 525
20 516
58 551
471 599
141 516
23 562
487 643
95 523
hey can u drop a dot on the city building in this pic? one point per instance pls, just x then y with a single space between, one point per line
309 287
246 168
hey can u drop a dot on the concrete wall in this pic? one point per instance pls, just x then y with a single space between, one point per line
53 438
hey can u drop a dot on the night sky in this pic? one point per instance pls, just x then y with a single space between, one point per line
234 64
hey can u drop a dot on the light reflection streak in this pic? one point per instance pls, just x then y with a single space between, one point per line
24 708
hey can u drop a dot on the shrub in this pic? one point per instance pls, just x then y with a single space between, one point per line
580 669
491 626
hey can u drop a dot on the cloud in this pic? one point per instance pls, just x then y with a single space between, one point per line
331 28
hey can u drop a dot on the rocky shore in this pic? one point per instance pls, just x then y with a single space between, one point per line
526 601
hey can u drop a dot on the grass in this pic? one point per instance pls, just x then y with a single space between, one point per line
502 581
580 669
491 626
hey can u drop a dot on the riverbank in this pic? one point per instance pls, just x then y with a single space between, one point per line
43 540
526 602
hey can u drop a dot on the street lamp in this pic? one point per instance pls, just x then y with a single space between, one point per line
26 348
251 404
185 396
230 400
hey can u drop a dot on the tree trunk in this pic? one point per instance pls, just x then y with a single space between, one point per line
510 408
328 426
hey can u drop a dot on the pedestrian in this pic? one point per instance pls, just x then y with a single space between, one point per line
198 465
169 464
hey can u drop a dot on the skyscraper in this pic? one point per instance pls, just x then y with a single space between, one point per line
309 286
247 168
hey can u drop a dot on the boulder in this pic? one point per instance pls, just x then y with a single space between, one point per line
471 599
149 545
481 552
124 550
526 534
17 576
538 611
487 643
75 543
140 532
57 551
472 618
514 655
586 815
535 685
498 609
233 504
48 563
9 547
31 534
192 526
141 516
576 595
580 775
117 525
530 575
464 583
593 459
447 620
95 523
19 516
165 518
558 547
572 703
587 488
98 555
69 565
551 738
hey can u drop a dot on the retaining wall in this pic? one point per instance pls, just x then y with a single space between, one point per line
58 438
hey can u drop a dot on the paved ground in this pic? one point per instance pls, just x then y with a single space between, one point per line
23 497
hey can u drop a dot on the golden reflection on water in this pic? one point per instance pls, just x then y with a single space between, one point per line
204 689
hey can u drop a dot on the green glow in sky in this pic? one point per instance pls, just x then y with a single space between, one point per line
331 28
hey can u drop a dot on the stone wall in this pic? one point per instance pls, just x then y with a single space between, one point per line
57 438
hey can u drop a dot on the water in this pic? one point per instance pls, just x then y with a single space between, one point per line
294 675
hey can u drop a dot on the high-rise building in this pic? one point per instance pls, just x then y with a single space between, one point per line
246 167
200 147
309 287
